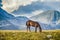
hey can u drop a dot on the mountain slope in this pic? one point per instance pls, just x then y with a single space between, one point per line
48 16
4 21
5 15
20 21
9 22
48 19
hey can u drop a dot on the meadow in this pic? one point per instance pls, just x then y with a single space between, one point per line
23 35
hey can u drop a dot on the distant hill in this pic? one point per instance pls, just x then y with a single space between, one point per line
19 21
5 15
48 19
4 21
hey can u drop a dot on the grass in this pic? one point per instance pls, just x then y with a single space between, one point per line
23 35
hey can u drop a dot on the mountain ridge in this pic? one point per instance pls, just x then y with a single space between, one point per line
50 15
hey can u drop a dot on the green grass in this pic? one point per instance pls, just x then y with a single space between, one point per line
18 35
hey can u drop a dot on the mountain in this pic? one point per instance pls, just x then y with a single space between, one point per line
9 22
6 25
20 21
48 19
4 21
5 15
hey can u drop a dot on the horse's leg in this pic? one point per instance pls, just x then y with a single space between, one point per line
29 29
40 29
35 29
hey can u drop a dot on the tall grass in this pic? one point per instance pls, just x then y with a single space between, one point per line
29 35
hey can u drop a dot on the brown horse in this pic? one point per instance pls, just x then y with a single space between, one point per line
30 23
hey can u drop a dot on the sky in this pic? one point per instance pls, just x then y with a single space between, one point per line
30 7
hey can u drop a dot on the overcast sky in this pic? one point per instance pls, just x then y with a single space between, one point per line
12 5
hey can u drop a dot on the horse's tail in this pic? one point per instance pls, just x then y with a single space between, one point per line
40 29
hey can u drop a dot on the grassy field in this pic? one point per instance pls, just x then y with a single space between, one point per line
23 35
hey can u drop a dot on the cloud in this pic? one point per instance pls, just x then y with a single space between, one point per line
11 5
31 14
49 0
54 5
35 8
31 7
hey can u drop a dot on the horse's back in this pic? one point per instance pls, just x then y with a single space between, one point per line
31 23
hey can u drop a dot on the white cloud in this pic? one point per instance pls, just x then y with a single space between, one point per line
11 5
34 0
37 12
49 0
42 0
34 13
31 14
58 0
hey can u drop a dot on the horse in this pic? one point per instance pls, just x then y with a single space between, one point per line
35 24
